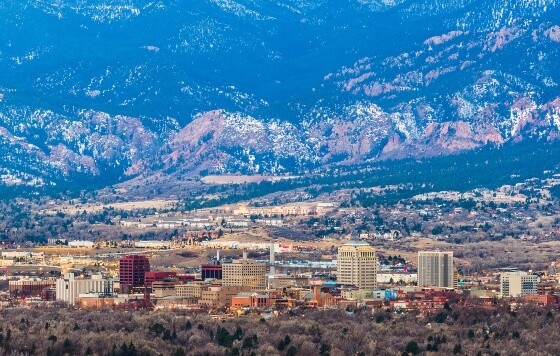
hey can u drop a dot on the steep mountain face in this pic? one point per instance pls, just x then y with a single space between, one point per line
108 89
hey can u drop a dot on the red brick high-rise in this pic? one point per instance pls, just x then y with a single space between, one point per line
132 271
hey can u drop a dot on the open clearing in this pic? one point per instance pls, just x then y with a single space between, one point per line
94 208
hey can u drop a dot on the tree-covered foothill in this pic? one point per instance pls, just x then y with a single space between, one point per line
489 167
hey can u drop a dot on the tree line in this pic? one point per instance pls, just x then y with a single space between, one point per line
455 329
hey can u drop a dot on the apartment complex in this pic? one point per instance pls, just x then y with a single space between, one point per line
244 272
435 269
357 265
517 284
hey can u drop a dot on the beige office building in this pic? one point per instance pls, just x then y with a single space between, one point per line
357 265
517 284
435 269
244 272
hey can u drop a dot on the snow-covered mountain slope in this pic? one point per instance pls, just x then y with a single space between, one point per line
111 88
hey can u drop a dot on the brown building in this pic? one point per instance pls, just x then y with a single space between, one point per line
317 298
30 287
542 300
49 294
548 287
95 302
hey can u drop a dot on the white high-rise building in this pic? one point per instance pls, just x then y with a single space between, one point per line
435 269
517 284
69 288
357 265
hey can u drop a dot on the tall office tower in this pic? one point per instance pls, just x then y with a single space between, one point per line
244 272
518 284
132 271
435 269
357 265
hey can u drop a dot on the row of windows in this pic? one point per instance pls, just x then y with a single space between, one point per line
357 253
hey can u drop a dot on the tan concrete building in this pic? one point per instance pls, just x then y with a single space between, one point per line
190 290
357 265
164 288
435 269
220 296
481 293
297 293
244 272
283 281
174 302
358 294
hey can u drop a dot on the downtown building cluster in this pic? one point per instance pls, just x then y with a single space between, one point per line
356 279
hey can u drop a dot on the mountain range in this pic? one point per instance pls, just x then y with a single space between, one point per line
105 90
